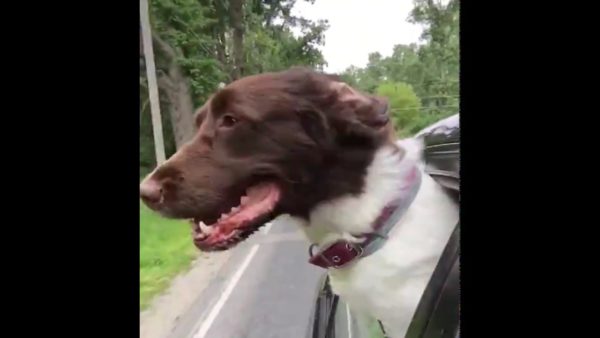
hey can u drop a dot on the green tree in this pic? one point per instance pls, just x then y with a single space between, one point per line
404 104
440 54
430 68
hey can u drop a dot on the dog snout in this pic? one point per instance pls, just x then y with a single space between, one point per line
377 114
151 192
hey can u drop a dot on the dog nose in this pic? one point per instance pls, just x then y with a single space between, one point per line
151 191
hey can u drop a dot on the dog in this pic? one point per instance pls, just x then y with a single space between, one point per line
305 144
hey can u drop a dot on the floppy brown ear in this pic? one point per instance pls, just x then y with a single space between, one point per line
355 114
316 126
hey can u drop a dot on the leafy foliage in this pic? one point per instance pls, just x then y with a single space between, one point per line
431 69
404 104
186 26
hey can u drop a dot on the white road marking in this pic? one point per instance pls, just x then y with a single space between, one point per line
225 295
349 321
267 228
214 312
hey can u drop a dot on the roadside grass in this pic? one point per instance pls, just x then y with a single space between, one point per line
165 251
375 330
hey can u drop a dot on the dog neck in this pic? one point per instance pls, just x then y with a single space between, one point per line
344 216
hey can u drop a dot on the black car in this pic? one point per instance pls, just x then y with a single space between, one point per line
437 315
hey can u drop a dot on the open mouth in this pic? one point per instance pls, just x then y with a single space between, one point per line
254 210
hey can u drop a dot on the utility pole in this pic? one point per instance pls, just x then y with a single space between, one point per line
159 144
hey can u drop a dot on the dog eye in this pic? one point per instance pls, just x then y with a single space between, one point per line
228 121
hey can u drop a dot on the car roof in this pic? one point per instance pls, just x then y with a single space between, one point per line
446 125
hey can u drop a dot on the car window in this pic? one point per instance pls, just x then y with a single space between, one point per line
350 324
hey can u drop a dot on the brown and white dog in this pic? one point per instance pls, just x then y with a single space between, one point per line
304 144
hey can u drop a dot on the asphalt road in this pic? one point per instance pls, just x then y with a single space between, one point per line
266 289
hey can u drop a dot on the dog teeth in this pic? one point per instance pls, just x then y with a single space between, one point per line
205 228
244 200
235 209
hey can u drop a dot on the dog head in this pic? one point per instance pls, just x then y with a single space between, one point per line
269 144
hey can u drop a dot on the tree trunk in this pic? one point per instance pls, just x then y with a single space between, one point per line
181 107
221 56
238 37
177 89
219 35
219 30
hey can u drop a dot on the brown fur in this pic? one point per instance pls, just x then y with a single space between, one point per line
310 133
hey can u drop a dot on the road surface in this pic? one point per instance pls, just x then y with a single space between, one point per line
265 290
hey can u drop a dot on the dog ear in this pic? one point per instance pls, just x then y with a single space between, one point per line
316 126
357 115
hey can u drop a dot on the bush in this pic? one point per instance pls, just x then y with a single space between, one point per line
405 105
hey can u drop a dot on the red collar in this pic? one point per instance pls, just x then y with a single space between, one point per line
342 252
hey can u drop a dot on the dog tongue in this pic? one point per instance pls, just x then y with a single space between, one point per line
263 192
259 200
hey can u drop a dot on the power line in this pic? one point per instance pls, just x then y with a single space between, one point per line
441 96
422 108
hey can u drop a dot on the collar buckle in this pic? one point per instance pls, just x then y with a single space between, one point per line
339 254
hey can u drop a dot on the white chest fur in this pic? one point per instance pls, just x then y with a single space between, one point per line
388 284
